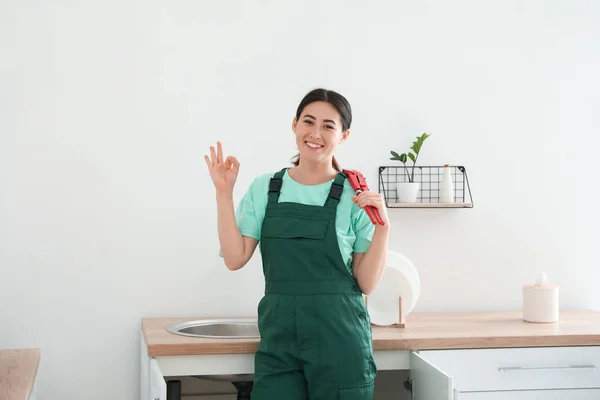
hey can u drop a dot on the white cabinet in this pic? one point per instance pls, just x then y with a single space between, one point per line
429 382
575 394
509 373
158 386
152 381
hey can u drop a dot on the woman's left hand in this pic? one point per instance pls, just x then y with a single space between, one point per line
376 200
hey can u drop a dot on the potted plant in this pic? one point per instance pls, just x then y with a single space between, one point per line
407 191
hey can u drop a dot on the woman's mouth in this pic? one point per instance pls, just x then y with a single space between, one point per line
313 146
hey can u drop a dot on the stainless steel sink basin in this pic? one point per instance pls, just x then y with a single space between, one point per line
217 329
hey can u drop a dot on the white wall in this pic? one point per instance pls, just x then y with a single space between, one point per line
107 213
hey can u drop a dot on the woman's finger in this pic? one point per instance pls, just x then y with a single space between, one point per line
369 201
208 162
235 163
230 162
363 195
219 152
213 156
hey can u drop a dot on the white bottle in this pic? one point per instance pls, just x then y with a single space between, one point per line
446 186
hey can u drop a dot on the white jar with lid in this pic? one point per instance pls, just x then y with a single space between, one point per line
541 301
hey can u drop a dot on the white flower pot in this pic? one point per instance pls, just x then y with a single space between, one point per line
407 191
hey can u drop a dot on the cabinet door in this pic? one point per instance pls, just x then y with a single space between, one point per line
572 394
152 382
428 382
158 386
534 368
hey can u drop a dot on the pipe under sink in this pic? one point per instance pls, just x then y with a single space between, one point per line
217 328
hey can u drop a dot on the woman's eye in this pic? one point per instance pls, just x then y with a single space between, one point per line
308 121
328 126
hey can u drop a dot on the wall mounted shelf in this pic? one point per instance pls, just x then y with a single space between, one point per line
429 177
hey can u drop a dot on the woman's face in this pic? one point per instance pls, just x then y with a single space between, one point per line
318 132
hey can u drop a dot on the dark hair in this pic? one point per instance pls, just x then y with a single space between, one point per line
336 100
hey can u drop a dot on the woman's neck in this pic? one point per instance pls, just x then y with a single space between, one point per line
312 174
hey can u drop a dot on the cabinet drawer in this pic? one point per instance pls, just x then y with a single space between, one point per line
519 368
574 394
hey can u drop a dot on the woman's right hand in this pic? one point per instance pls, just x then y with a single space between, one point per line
222 173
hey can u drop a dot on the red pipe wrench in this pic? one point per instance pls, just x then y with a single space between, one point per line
359 184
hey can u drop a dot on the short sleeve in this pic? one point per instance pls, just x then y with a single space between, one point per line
245 215
363 229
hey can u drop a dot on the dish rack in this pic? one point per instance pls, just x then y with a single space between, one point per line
401 318
429 177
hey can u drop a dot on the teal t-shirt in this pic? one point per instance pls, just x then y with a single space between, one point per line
353 225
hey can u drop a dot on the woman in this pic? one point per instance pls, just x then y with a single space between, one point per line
320 252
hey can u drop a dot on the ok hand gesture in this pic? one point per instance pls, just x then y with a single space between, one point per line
222 173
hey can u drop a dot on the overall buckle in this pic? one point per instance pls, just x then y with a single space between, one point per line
336 191
275 185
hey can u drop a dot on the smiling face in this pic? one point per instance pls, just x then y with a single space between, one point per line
318 132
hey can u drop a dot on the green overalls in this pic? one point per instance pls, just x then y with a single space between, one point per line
315 330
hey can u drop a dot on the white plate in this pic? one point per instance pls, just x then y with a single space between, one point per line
400 279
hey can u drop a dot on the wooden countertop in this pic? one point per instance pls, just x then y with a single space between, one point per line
426 330
18 369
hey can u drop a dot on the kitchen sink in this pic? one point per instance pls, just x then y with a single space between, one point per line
217 329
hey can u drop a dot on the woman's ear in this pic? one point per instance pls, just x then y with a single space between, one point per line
294 124
345 136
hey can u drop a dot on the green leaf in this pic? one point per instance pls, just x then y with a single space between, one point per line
416 146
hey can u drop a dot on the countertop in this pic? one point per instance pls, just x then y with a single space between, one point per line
18 369
424 330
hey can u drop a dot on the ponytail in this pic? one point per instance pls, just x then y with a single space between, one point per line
335 164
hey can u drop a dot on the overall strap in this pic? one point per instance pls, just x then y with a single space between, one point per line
275 186
335 193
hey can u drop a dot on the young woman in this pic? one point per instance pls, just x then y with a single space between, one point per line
320 253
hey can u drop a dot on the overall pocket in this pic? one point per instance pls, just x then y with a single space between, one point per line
294 227
360 316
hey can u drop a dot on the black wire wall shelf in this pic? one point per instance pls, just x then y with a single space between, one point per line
429 177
